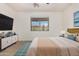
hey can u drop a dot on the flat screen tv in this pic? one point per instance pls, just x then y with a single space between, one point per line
6 23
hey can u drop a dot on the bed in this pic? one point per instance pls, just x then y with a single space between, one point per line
53 46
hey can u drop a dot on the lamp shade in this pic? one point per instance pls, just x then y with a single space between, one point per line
62 32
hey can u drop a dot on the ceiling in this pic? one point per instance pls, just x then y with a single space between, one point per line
21 7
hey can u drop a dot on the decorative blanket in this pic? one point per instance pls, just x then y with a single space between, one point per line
51 46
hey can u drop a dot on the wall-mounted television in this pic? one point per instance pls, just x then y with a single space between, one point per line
6 23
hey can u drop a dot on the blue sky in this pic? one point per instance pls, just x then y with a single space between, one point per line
36 23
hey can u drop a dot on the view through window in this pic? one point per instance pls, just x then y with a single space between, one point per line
39 24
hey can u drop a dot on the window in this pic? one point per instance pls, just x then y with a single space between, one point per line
39 24
76 19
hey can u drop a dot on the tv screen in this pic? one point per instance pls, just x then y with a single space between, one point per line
6 23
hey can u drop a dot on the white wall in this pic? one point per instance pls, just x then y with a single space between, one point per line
68 18
57 21
24 25
6 10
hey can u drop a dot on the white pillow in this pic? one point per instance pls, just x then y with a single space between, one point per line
77 38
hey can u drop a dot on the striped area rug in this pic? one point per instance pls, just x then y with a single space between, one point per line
23 49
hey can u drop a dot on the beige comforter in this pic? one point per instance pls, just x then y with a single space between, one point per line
57 46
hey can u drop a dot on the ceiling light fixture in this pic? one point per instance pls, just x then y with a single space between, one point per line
37 4
47 3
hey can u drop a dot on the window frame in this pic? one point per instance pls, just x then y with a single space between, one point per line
40 20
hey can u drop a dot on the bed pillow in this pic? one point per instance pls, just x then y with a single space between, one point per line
71 37
77 38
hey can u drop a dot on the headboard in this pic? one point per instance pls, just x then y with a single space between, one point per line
73 30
